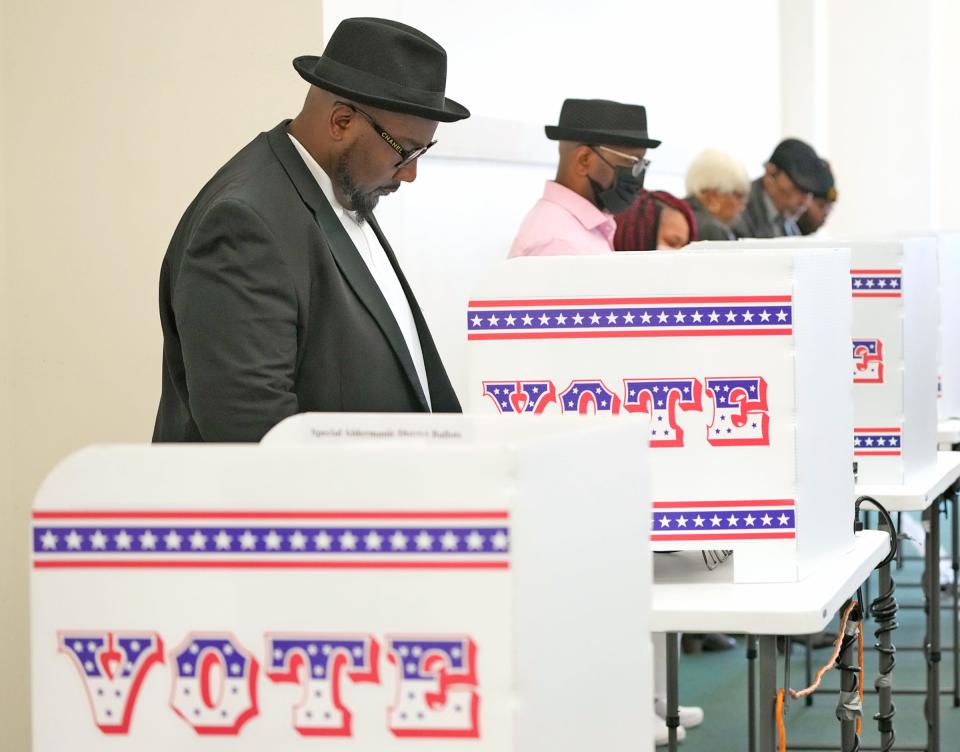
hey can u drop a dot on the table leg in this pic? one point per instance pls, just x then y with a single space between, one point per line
808 667
766 726
751 692
932 580
866 582
955 566
884 613
848 686
673 679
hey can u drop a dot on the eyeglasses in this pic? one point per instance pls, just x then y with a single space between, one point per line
406 155
638 165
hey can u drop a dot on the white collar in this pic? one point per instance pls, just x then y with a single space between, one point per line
323 180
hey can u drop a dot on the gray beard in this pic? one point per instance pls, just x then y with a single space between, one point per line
361 203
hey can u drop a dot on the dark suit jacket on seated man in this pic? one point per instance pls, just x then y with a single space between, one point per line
781 195
279 293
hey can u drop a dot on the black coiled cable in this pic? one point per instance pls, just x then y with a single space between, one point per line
849 642
883 610
891 528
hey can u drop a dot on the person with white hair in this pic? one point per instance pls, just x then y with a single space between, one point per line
717 189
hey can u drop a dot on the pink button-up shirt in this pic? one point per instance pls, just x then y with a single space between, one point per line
564 223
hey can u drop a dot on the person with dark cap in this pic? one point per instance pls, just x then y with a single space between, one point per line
821 204
602 147
656 221
279 292
780 196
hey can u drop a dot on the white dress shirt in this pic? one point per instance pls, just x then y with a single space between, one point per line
375 258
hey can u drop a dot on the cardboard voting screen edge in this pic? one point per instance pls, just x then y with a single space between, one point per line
585 597
920 375
949 262
823 317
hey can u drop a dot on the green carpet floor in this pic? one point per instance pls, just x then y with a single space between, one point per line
718 683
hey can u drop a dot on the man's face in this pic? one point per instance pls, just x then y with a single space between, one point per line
366 168
815 215
724 206
606 158
786 196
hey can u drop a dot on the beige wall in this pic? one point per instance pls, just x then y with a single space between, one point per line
114 114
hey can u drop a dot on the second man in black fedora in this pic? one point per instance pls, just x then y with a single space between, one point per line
279 293
602 164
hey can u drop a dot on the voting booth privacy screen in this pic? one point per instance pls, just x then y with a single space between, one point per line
949 262
354 583
894 342
735 364
895 314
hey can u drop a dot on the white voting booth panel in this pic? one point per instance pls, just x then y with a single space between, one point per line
949 260
893 282
423 583
736 365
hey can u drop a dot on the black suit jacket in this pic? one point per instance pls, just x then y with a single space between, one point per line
268 309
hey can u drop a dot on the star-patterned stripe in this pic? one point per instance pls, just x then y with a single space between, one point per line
733 520
876 283
771 315
877 442
724 519
399 542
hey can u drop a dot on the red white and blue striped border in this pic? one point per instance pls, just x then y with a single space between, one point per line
743 519
193 539
876 283
560 318
877 442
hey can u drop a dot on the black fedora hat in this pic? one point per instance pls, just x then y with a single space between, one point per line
600 121
386 64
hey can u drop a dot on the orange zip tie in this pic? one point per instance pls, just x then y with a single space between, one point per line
781 728
796 695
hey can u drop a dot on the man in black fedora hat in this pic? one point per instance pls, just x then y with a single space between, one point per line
602 165
600 173
279 293
780 196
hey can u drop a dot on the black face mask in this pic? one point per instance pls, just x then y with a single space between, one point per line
621 194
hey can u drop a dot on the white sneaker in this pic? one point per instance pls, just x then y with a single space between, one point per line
690 715
661 734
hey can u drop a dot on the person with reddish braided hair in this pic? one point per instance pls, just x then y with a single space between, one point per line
657 220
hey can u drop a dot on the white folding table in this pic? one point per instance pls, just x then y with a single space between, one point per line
689 597
924 493
948 433
948 439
